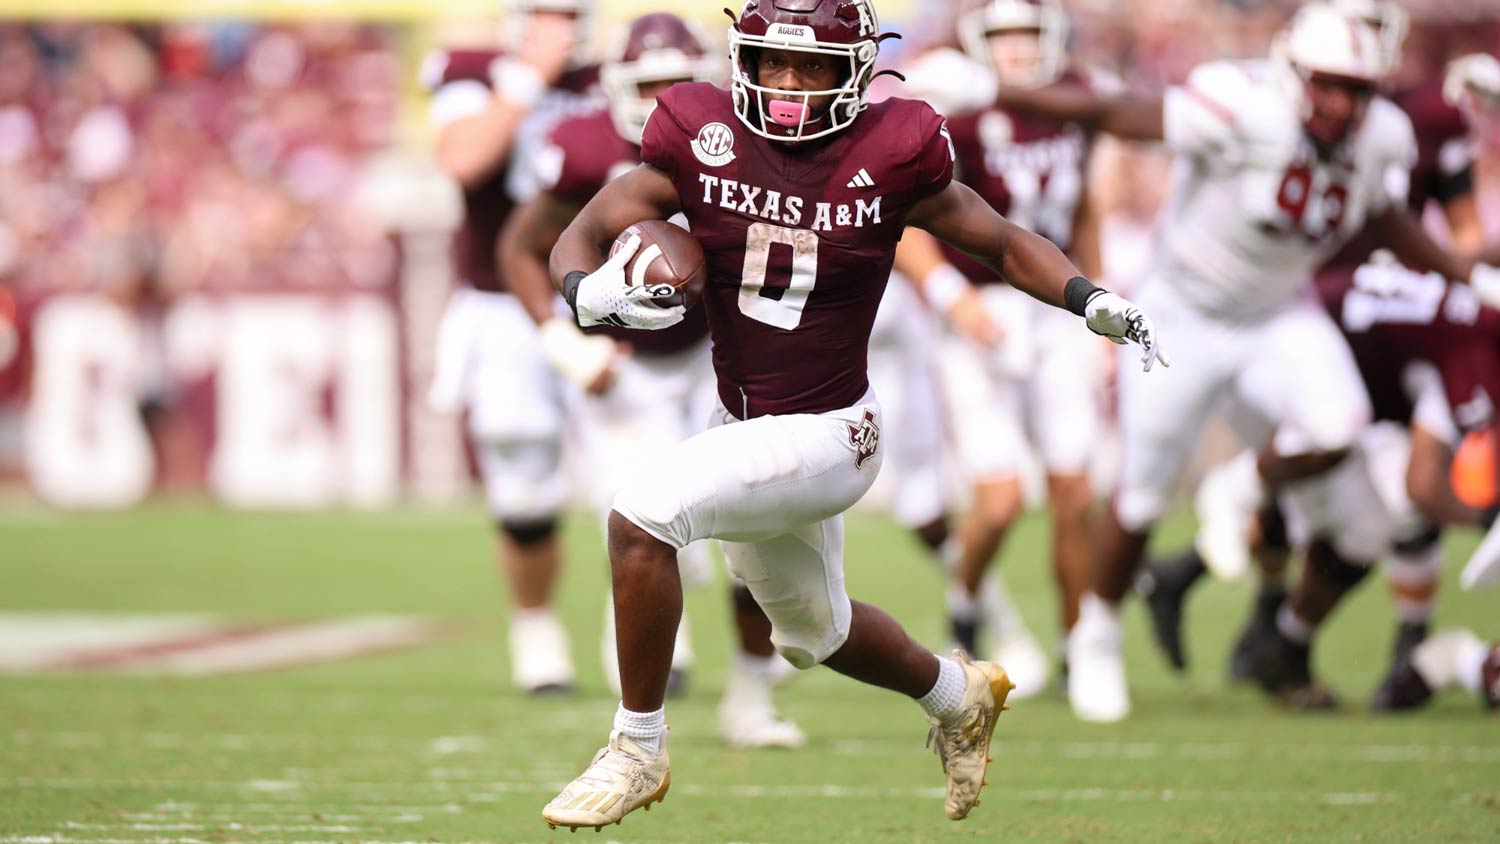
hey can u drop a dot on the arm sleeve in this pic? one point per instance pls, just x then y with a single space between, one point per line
1199 117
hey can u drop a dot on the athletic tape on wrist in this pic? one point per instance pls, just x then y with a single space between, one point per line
1077 293
570 289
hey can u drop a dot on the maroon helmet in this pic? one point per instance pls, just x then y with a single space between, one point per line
658 47
845 29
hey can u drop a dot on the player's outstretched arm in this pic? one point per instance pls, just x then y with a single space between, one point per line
1405 237
1128 117
522 250
525 245
1033 264
592 281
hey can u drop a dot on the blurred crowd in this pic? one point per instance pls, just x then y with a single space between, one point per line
162 159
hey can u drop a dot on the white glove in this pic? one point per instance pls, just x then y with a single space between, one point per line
604 297
1117 319
1484 280
1477 72
583 359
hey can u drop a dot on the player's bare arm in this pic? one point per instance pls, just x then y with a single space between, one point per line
472 149
595 288
919 257
1031 263
523 247
526 242
1403 235
1128 117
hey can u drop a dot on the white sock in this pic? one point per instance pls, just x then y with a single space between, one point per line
648 729
1471 656
1444 658
949 552
523 615
998 610
961 604
947 694
1292 626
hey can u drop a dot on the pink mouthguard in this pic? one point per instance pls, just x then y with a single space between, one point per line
788 114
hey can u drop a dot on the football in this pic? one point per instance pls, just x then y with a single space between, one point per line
669 261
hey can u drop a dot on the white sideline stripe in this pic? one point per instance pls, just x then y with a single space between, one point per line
826 791
194 645
1070 750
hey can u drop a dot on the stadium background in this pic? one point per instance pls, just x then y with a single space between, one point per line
222 258
221 239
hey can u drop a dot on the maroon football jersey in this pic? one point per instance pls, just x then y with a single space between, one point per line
1032 170
487 205
800 238
1444 168
1424 319
586 152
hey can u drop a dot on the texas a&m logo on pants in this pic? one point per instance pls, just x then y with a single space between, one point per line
865 437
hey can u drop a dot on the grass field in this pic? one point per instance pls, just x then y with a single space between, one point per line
430 744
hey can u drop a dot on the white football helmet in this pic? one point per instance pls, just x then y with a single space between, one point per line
1321 39
658 47
1323 43
1043 17
517 11
1389 20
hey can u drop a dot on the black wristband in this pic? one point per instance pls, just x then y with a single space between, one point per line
1489 515
1077 293
570 289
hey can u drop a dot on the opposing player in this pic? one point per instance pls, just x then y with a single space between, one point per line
1351 283
798 253
1037 385
646 390
1280 163
492 110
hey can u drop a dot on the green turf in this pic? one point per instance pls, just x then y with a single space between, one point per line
431 744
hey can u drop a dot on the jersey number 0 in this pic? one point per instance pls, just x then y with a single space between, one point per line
777 305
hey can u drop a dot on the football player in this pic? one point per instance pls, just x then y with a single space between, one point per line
798 253
1443 176
1280 163
1038 384
491 110
1430 359
646 391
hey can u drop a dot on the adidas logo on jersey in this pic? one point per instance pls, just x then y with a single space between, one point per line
861 180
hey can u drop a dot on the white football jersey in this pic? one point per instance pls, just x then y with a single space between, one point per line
1253 209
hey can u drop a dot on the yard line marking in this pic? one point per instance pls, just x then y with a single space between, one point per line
1072 750
490 791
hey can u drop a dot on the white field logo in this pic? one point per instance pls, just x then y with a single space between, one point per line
714 145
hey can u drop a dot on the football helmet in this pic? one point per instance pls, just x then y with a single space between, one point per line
847 30
517 11
658 47
1322 43
1389 20
1044 18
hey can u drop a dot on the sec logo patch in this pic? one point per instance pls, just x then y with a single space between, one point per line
714 145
